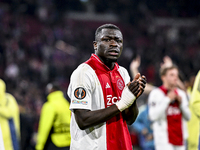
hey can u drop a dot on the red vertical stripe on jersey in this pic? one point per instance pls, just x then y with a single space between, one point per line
174 121
118 137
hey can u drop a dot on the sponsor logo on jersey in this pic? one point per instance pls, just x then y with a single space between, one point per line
112 100
120 84
80 93
107 86
79 102
173 111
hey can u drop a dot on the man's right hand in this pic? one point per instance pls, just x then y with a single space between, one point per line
134 85
138 85
131 91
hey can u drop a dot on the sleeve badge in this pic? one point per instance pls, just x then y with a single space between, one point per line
80 93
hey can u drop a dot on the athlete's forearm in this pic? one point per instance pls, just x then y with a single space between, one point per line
131 113
86 118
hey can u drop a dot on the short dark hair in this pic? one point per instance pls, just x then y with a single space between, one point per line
56 86
53 86
164 70
105 26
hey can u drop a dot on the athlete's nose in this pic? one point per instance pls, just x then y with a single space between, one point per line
113 43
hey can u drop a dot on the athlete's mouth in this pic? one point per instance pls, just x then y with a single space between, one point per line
113 52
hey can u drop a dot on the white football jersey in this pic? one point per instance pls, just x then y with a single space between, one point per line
158 109
85 91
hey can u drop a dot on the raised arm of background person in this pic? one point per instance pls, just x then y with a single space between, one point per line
158 104
45 125
135 64
86 118
167 62
195 96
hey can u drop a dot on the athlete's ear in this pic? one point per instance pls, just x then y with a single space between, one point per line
162 78
95 45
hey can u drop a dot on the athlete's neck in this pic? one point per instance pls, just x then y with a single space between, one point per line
110 65
108 62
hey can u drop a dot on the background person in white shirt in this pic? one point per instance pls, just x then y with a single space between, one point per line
168 110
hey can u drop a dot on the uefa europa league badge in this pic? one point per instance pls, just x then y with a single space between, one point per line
80 93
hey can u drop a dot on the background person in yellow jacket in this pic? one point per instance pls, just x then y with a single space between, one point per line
9 119
195 106
54 123
1 140
193 123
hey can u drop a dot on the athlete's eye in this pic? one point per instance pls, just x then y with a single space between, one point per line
106 40
119 41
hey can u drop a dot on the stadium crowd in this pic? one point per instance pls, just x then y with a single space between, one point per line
40 44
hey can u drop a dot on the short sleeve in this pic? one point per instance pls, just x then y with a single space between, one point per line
124 74
80 88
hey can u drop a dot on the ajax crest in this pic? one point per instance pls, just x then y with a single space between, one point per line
120 84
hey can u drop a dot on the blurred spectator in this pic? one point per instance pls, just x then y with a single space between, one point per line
193 123
143 127
193 126
26 128
168 110
1 140
9 119
193 141
195 95
54 124
12 71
